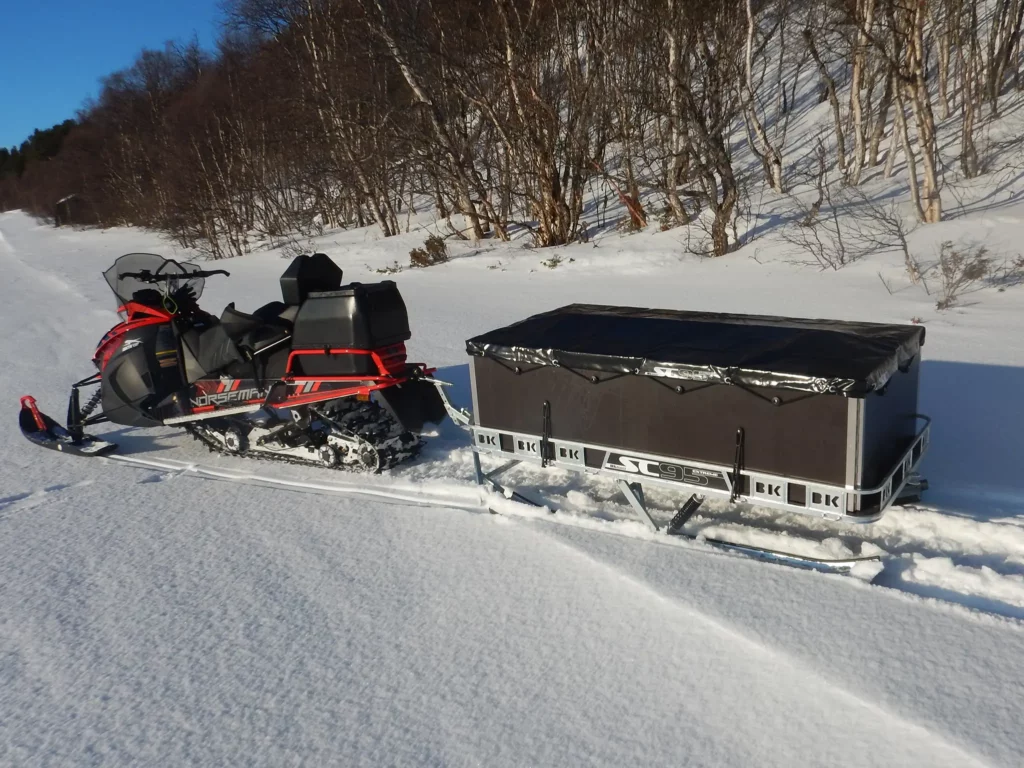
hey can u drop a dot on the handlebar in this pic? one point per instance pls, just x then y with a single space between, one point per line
148 277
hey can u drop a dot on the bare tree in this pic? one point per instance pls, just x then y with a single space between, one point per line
831 92
509 113
763 147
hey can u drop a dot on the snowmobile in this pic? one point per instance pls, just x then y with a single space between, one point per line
320 377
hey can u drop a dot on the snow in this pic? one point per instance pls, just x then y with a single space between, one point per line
406 636
941 574
180 609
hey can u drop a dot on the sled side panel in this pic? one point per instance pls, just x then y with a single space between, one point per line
805 436
889 425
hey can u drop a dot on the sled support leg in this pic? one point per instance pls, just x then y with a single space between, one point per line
911 492
491 479
634 494
685 513
477 469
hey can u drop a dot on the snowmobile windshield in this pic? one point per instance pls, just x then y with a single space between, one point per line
142 276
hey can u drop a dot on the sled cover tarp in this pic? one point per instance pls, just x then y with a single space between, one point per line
823 356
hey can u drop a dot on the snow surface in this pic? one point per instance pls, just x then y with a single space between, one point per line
158 615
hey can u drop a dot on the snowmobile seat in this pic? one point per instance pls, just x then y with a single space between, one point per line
269 364
277 312
252 332
208 349
238 323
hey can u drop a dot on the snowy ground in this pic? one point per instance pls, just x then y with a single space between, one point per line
151 616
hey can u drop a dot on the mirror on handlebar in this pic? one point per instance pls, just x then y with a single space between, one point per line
138 276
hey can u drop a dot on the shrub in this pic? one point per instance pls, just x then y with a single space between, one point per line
434 251
960 270
628 225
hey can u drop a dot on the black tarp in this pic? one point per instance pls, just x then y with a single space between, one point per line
826 356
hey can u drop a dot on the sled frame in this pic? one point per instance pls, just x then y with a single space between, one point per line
735 483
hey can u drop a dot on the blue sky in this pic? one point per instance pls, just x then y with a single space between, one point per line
53 52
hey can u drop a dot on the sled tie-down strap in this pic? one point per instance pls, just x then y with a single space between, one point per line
737 464
545 435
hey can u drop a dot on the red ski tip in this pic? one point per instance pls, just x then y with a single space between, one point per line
28 402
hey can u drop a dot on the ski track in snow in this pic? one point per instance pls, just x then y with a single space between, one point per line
150 615
981 563
20 502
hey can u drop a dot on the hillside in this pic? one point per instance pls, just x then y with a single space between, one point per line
155 614
170 606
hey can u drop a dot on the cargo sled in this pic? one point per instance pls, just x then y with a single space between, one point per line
817 417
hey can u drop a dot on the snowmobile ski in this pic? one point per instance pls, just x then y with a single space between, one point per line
47 433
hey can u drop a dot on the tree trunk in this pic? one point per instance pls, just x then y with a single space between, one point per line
880 121
771 159
730 196
945 44
866 21
830 90
675 166
908 151
921 103
894 145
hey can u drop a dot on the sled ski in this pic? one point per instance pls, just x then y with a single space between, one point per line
463 501
633 493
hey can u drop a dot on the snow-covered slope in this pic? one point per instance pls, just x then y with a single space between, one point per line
151 616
